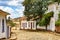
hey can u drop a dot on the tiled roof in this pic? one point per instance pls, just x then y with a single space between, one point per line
1 11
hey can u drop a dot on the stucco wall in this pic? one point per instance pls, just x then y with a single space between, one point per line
2 35
55 8
28 25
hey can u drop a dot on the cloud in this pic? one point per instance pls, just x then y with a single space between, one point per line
14 3
20 11
14 7
14 13
5 0
9 10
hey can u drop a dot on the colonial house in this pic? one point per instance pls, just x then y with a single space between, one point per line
17 21
24 24
4 30
28 25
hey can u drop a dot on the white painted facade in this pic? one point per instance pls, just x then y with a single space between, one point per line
56 9
3 34
28 25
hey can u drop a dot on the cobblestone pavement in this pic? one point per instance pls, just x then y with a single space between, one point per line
30 35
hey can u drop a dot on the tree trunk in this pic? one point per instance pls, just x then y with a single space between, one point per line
36 27
46 27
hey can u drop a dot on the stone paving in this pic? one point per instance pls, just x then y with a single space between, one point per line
30 35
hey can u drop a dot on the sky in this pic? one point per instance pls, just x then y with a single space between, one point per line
14 7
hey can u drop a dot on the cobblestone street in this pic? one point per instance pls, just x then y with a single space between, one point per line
30 35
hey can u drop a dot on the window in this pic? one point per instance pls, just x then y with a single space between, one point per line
24 24
2 25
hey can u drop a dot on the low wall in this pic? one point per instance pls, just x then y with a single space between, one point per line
44 27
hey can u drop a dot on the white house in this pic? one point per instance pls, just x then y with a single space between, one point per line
4 30
28 25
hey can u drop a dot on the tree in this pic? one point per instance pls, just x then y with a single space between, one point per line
56 1
59 15
27 4
53 1
34 9
46 19
10 22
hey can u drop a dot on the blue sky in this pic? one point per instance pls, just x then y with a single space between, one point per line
14 7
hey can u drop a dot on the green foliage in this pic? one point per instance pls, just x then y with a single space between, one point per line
59 15
56 1
53 1
35 8
10 22
42 22
46 19
57 23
